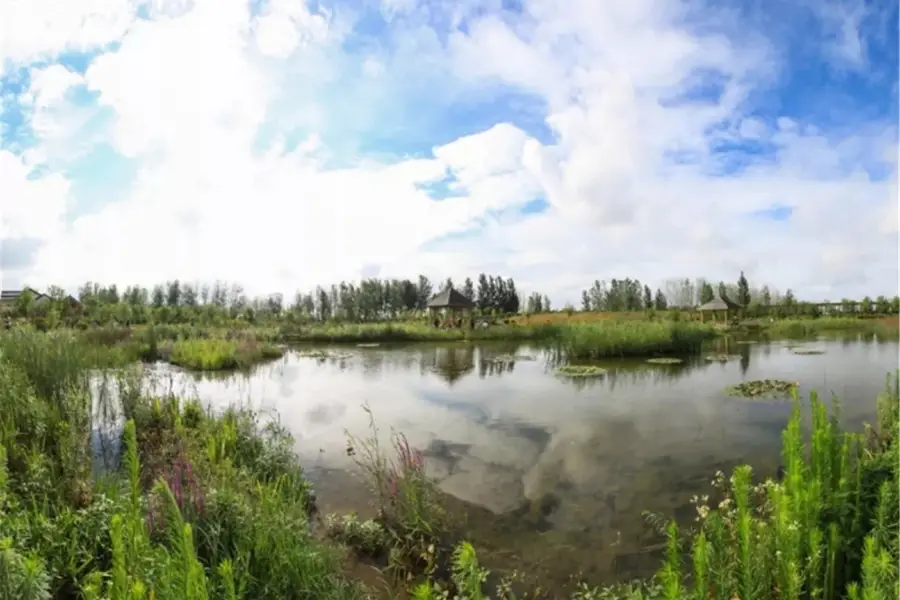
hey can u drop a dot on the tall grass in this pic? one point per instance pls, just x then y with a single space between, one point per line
609 339
808 327
218 354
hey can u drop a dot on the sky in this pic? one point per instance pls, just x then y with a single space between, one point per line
282 144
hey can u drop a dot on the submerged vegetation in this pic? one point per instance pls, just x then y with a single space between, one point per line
721 357
807 351
203 505
662 360
763 388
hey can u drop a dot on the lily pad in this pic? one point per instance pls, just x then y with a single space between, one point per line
325 355
807 351
763 388
507 358
664 360
581 371
722 357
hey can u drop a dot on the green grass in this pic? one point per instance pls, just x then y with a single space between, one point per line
809 327
215 506
218 354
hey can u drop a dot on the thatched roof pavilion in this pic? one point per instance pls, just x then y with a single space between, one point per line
719 305
450 304
450 298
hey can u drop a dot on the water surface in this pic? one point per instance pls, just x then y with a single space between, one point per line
556 472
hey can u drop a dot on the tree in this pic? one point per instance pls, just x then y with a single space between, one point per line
468 289
707 293
743 290
659 302
648 298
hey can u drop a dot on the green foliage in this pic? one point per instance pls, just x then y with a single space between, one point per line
218 354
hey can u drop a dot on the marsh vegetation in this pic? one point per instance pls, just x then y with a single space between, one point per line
214 504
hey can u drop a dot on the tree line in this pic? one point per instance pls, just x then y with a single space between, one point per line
177 301
386 299
627 294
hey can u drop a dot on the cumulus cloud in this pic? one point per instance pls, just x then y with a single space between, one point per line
267 138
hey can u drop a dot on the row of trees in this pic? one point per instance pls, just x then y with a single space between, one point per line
176 301
630 295
621 295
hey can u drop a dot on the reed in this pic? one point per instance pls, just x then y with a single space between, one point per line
610 339
822 325
218 354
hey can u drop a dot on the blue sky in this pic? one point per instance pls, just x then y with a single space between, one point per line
282 146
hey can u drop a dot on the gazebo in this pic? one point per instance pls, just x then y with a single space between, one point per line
720 305
449 308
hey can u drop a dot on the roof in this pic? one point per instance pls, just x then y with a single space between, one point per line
8 296
719 303
450 298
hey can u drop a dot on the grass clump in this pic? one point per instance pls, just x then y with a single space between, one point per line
610 339
220 354
408 503
663 360
763 388
721 357
580 371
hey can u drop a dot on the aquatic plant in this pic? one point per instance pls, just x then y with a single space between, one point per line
664 361
580 371
220 354
762 388
721 357
612 338
807 351
408 502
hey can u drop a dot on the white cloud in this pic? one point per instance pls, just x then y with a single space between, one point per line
206 96
39 29
33 207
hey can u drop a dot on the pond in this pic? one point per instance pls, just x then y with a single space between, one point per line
554 472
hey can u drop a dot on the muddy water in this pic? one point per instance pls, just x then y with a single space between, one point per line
553 474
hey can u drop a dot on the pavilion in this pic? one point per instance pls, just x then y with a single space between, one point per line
720 305
450 309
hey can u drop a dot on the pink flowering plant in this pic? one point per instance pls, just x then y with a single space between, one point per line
407 501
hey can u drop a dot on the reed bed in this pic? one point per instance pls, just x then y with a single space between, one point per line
219 354
412 332
611 339
810 327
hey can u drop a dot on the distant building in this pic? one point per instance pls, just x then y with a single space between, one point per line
9 298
